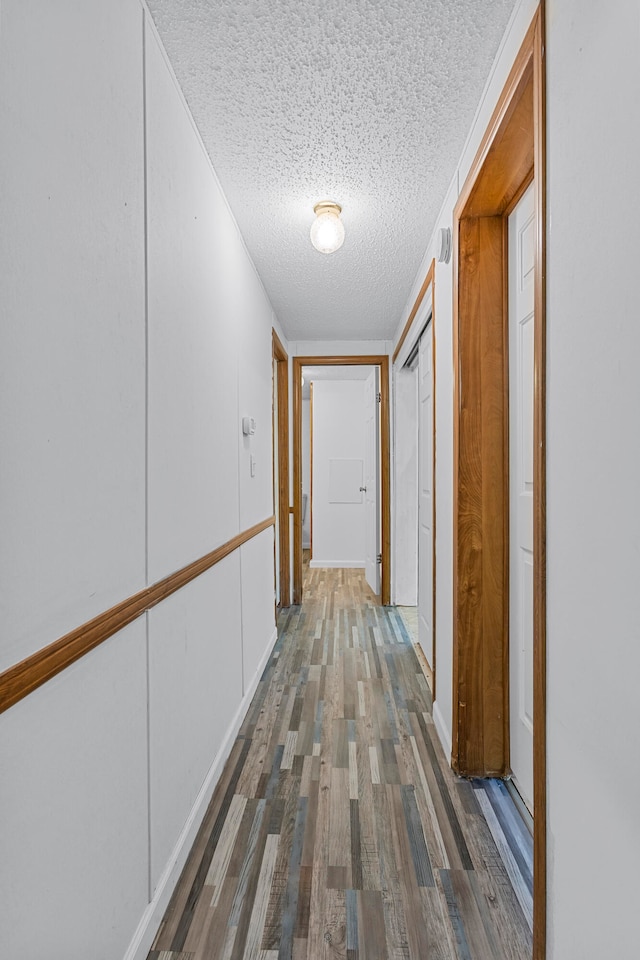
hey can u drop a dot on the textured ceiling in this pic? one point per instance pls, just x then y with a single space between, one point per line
367 102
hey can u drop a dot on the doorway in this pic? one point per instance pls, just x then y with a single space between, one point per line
414 464
342 467
510 158
280 465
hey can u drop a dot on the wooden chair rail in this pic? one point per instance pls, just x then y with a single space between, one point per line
25 677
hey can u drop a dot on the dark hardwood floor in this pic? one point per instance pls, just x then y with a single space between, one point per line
338 829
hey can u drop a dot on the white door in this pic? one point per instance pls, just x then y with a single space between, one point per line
425 496
522 242
371 473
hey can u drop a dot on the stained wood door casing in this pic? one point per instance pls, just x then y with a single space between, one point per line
480 504
521 480
425 496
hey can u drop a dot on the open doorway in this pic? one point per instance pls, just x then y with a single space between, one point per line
341 469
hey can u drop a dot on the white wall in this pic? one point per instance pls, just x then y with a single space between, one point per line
73 808
136 334
443 623
593 467
333 348
338 433
73 340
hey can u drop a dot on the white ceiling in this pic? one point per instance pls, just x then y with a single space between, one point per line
367 102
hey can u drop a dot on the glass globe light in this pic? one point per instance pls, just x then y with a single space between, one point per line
327 230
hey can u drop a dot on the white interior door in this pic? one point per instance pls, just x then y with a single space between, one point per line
371 474
425 495
522 241
405 462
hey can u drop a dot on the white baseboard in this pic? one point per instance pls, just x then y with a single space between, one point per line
152 916
333 564
443 733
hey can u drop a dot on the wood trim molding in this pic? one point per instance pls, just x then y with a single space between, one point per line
283 526
512 154
428 280
378 360
480 714
25 677
501 124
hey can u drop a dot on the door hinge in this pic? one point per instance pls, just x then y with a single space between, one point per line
379 558
379 397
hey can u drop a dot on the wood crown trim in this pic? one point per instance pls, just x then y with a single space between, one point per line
25 677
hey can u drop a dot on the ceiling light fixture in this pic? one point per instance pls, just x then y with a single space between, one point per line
327 230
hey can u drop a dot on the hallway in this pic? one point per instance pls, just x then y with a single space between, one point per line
338 828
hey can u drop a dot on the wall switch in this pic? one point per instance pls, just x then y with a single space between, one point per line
248 426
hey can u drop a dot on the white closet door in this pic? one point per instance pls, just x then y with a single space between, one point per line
371 474
425 495
522 241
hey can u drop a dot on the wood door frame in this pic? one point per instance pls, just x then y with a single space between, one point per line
281 358
511 156
381 361
429 283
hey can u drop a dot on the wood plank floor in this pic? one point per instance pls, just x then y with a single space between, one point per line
338 829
